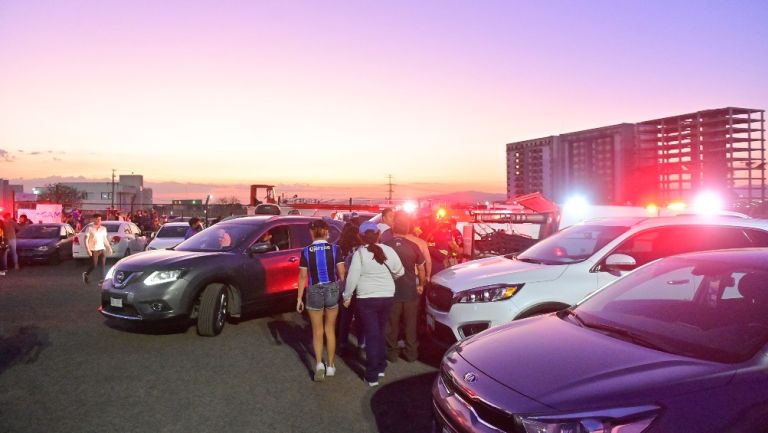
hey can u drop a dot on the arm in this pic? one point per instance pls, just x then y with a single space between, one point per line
341 270
422 278
353 277
393 260
302 285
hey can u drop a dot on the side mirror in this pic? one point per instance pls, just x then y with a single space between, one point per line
619 262
259 248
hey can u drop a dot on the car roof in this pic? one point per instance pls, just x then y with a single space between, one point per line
176 223
649 222
755 257
259 219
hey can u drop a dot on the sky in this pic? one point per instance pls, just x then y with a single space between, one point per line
339 95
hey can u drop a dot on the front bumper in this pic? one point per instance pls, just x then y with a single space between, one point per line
136 301
466 400
35 255
464 320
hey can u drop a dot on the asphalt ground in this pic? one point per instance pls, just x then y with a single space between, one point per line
65 368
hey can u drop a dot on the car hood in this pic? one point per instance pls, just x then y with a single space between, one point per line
34 243
165 259
572 368
495 270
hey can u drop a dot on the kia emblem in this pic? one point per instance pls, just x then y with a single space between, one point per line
470 378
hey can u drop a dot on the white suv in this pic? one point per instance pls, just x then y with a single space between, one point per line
564 268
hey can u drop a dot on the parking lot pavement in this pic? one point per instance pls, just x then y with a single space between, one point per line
64 368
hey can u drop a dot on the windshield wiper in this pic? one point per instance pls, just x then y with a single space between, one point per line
527 260
626 335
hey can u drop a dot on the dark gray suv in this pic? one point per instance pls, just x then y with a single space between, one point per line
215 274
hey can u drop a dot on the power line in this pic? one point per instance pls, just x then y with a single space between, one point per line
391 190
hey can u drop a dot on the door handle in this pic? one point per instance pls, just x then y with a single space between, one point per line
293 259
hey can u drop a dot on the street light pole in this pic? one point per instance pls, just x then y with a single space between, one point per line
207 198
113 190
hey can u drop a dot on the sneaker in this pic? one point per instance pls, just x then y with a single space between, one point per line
2 272
330 371
319 372
382 374
372 384
85 278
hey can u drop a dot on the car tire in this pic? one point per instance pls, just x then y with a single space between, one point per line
212 314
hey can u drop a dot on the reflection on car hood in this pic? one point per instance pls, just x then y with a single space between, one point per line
164 259
34 243
495 270
573 368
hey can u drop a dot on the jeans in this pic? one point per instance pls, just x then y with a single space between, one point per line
344 325
406 313
10 251
374 314
98 257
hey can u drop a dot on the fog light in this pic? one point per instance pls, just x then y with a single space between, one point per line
473 328
159 306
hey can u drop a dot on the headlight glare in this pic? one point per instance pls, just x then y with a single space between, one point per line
110 273
159 277
42 248
496 292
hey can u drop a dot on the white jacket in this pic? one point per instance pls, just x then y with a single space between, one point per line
369 278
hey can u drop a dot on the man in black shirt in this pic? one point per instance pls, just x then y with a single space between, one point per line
408 288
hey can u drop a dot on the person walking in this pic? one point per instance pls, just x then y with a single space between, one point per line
371 275
98 247
348 243
322 266
385 226
408 290
10 228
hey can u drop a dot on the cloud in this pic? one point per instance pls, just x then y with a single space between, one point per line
6 156
35 153
57 159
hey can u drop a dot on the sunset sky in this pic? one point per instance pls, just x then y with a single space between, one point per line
331 93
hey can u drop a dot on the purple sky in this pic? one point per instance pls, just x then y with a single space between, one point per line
348 92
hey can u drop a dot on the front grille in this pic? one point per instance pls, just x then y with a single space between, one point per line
122 278
489 414
440 297
127 310
444 334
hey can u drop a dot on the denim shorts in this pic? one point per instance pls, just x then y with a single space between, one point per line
322 296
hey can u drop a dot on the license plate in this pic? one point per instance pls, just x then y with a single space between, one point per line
430 322
116 302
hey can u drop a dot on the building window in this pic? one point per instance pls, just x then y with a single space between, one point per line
106 196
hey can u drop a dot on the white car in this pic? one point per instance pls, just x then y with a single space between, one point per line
124 237
569 265
169 235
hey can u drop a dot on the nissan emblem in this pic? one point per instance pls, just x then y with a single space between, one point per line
470 378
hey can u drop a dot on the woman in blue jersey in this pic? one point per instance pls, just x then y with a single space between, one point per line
322 266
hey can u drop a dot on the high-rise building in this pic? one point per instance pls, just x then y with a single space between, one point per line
653 161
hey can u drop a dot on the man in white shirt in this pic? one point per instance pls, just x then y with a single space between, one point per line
97 245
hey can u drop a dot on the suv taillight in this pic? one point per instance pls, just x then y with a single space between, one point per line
77 240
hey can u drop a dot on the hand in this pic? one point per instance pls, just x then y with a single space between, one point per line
299 305
347 302
420 289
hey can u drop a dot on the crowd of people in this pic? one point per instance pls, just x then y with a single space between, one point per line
374 278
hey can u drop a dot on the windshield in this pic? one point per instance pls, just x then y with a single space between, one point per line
36 231
172 231
221 237
574 244
692 307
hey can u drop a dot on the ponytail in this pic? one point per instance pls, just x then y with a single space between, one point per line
370 238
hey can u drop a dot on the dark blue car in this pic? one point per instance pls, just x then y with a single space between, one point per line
47 243
679 345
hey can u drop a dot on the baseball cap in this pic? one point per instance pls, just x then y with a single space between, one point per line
368 225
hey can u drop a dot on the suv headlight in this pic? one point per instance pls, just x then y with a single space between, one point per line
623 420
159 277
496 292
110 273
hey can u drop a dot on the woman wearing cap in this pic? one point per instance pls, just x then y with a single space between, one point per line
371 275
323 265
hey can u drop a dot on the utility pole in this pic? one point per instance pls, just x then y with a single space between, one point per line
391 190
113 190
